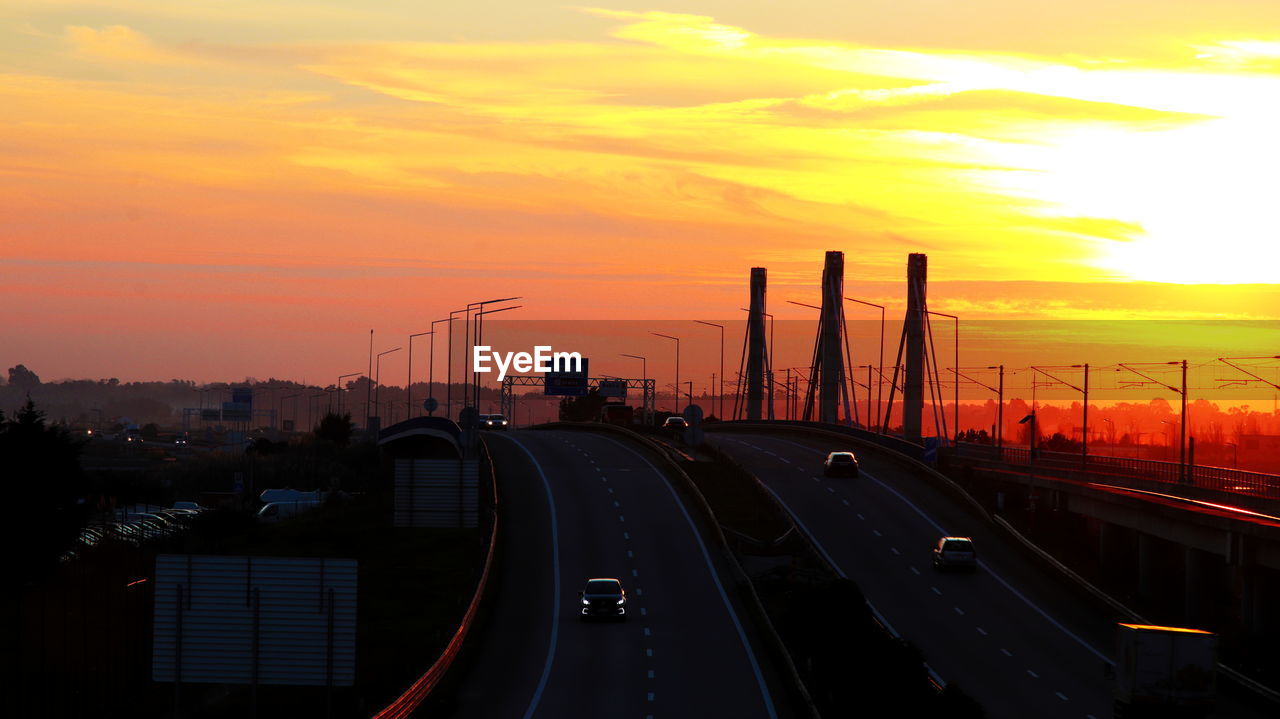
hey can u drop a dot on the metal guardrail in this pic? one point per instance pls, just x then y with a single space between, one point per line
408 702
1220 479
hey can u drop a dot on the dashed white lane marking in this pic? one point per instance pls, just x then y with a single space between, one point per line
648 652
635 573
647 633
610 489
831 490
846 502
639 592
765 694
914 571
987 569
1006 652
877 533
631 554
650 696
621 518
982 631
650 673
615 503
959 611
784 459
1033 674
1062 696
895 551
626 535
935 591
644 612
861 517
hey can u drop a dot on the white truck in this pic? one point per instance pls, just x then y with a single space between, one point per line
1164 672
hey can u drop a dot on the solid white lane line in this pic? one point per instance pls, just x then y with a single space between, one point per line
555 583
711 569
981 563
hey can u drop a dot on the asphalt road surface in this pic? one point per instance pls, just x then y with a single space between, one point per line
1007 644
1008 634
577 505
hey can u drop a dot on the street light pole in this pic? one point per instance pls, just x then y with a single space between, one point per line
431 370
368 388
409 383
879 385
480 338
378 381
720 411
448 404
677 339
339 386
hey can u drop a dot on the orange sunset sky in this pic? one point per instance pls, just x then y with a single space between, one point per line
212 190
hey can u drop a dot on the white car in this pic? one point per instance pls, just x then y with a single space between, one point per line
955 553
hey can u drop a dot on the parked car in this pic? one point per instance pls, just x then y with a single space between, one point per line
955 553
603 598
840 464
276 511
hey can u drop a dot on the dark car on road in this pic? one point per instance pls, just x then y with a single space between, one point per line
494 421
840 464
603 598
955 553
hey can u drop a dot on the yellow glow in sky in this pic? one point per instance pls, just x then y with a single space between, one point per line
322 154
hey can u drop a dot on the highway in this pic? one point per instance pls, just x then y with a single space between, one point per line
1002 633
578 505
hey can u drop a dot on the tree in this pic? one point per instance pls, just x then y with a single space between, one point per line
23 378
335 428
45 486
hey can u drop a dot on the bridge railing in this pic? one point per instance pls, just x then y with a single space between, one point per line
1222 479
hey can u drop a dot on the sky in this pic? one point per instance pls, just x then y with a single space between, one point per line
212 191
